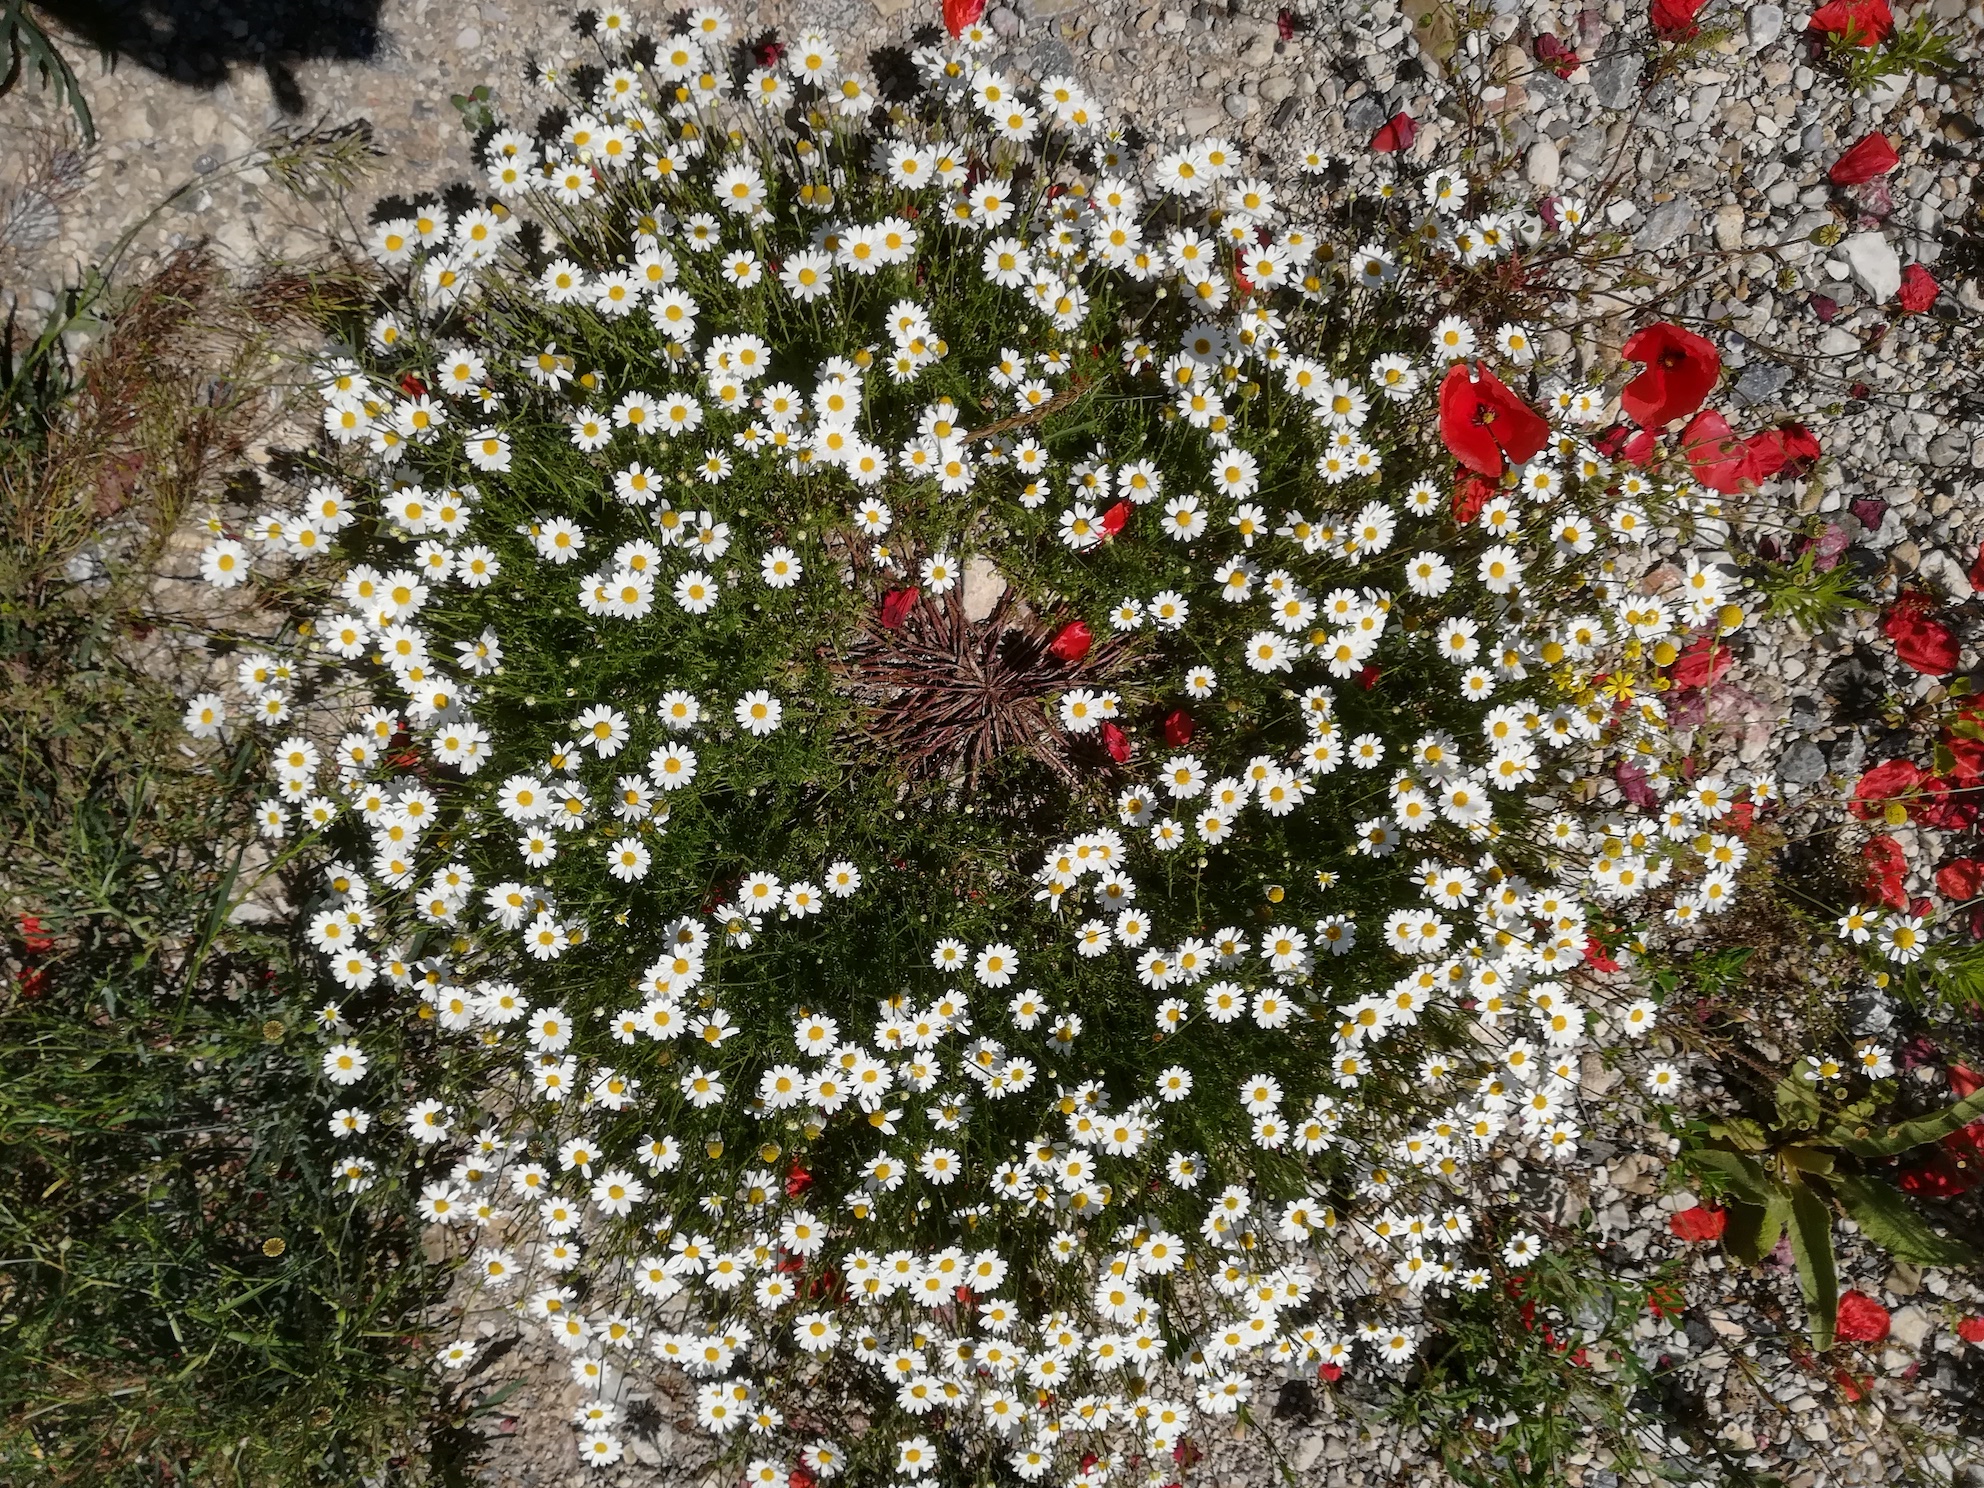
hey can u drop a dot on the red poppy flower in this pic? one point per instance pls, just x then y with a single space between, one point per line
1887 870
1396 133
1923 644
896 605
1935 1177
1864 23
1918 289
1960 879
1471 493
1942 808
1368 675
1071 642
1114 520
1329 1373
1595 955
1701 663
34 940
1481 421
961 13
1675 19
1703 1222
1850 1387
412 386
1966 771
1971 1330
1788 447
1861 1319
1681 370
797 1181
1638 450
1883 783
1178 728
1117 743
801 1476
1715 454
1873 156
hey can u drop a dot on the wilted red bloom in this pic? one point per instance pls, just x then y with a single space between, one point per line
1556 55
801 1476
1681 370
1861 1319
1960 879
1664 1301
1396 133
896 605
1701 663
412 386
1115 518
1873 156
1715 454
1072 641
1178 728
1595 955
1703 1222
1887 871
1481 421
1850 1387
1675 19
1284 23
1971 1330
1883 783
961 13
1368 675
1923 644
1117 743
1918 289
1863 23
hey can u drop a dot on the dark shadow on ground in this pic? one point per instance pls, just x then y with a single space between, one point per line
198 42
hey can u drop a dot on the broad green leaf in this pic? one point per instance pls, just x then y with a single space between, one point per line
1797 1103
1887 1219
1754 1229
1743 1176
1740 1132
1915 1133
1818 1276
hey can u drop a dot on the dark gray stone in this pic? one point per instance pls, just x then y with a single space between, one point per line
1803 764
1760 382
1615 80
1365 115
1667 222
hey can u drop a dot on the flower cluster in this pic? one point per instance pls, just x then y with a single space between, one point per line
1062 1104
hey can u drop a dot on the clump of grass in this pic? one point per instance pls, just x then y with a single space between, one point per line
182 1298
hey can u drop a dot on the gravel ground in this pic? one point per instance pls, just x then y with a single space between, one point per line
1719 174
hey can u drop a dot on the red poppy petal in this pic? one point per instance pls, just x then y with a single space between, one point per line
1873 156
